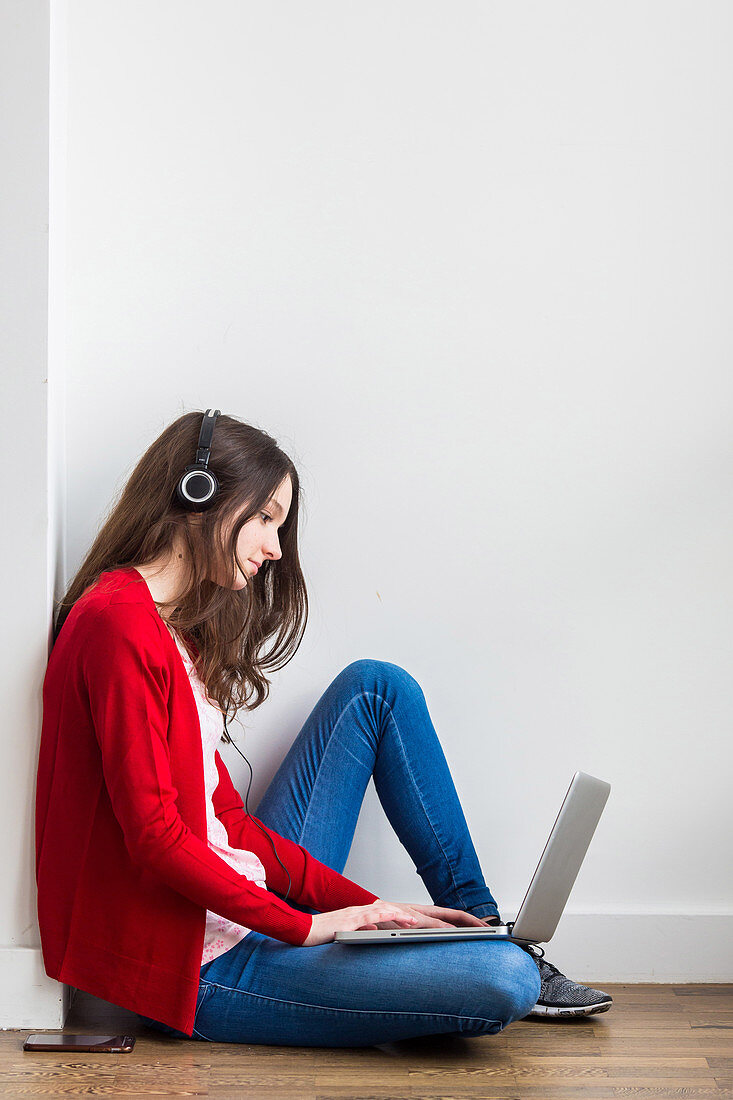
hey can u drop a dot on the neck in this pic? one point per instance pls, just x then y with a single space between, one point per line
164 576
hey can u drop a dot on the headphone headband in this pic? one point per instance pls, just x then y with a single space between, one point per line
206 435
198 486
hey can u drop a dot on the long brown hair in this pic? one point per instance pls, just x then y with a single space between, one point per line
229 627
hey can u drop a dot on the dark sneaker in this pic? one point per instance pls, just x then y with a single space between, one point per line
559 996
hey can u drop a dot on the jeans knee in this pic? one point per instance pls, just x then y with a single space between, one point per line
382 674
519 987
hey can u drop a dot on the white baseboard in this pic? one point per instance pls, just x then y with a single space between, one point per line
590 948
28 997
648 947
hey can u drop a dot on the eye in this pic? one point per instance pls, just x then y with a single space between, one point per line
266 516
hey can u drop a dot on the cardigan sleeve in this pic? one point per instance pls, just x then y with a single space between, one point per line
312 883
127 681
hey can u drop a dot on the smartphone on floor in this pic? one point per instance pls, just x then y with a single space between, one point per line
114 1044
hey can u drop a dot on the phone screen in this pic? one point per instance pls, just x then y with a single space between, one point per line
66 1041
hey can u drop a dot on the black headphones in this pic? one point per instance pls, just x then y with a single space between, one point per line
198 486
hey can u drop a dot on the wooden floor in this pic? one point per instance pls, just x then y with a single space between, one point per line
656 1041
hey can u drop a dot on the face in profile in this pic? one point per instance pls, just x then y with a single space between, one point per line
258 540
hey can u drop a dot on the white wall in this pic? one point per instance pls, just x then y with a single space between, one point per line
470 264
31 509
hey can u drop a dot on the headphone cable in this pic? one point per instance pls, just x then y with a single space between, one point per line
229 741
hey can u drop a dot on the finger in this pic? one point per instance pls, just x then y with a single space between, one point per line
429 916
458 916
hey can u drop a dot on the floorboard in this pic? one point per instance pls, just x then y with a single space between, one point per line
659 1041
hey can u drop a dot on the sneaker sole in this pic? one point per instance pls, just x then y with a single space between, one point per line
582 1010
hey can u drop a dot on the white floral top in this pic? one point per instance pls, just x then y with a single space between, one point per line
221 934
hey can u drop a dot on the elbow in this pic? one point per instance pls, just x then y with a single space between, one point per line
152 846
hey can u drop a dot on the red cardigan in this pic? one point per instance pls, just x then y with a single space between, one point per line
123 868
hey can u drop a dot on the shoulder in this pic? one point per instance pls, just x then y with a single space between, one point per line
117 586
118 610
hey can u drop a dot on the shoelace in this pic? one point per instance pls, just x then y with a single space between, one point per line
535 947
551 968
532 947
546 964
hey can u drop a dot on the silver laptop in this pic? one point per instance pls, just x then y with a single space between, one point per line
551 883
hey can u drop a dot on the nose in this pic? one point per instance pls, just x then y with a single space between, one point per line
271 548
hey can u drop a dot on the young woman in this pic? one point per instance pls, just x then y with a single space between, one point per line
157 890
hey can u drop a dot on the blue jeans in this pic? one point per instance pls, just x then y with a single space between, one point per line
371 721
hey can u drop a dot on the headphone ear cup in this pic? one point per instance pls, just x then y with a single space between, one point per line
197 488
